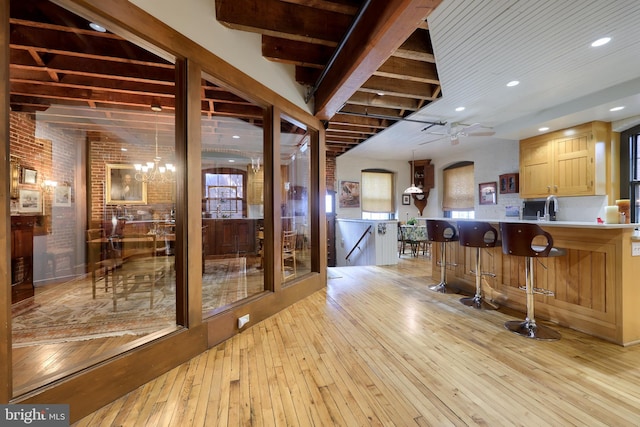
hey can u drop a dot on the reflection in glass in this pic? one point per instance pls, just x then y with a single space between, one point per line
295 172
232 199
92 273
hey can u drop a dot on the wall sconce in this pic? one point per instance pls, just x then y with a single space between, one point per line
255 165
48 185
15 176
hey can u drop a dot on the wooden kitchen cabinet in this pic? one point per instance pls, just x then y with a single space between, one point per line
569 162
230 236
22 257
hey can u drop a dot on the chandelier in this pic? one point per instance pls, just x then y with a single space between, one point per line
153 171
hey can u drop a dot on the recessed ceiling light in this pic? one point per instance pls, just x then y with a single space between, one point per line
98 27
543 129
513 83
380 93
231 161
616 108
236 137
460 109
601 41
123 149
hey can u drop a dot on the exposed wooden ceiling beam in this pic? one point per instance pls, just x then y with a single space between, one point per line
295 52
383 28
283 19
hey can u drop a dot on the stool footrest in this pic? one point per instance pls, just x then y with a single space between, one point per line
449 264
540 291
483 273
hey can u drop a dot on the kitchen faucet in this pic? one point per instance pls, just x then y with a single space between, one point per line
547 214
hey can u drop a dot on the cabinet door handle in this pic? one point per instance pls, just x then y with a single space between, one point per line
555 188
548 189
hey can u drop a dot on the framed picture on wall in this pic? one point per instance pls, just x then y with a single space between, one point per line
29 176
488 193
349 194
122 186
62 196
30 201
406 199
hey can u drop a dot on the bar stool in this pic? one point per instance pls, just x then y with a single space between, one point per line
478 235
517 239
442 232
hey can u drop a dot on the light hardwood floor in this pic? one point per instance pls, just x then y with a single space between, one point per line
377 348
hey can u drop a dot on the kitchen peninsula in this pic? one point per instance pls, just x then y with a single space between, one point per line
595 285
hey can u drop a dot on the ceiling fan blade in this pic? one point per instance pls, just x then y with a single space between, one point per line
487 133
470 128
434 140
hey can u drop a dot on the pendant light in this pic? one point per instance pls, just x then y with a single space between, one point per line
413 189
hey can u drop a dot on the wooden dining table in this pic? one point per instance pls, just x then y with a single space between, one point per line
416 235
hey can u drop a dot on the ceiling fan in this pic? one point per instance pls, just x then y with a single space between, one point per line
454 131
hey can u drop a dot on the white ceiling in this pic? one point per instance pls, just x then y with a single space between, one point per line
481 45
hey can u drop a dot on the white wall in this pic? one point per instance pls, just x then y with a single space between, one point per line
490 161
348 169
196 19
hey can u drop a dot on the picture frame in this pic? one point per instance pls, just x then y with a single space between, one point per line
30 201
29 176
349 194
121 186
406 199
487 192
62 196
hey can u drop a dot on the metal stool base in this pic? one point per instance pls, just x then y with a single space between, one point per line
478 302
443 288
534 331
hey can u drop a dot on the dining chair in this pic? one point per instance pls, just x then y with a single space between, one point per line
289 262
103 258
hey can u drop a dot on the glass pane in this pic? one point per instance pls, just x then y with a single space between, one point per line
232 198
295 170
93 237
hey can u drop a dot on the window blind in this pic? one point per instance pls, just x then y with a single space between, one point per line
377 192
459 188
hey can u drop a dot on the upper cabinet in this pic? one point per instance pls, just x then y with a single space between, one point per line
569 162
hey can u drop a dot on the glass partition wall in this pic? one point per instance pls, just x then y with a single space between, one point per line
93 203
232 198
99 187
295 170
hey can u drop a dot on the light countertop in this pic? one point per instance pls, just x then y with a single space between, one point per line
569 224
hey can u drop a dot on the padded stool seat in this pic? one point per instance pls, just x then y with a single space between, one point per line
518 240
442 232
476 234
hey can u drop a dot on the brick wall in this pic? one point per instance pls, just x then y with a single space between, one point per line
109 151
53 154
331 172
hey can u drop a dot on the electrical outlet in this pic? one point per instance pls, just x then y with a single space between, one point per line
243 320
635 248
